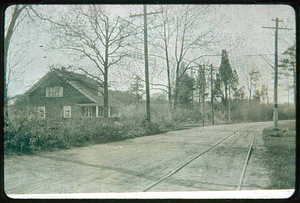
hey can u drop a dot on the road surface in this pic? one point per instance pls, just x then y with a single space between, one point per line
133 165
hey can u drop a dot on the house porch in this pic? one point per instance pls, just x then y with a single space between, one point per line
94 111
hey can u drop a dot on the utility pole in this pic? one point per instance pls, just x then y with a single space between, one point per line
268 87
229 106
146 60
212 94
192 76
275 118
288 96
203 94
146 65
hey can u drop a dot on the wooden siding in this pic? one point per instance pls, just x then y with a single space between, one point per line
54 105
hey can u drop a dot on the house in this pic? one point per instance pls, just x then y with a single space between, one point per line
62 94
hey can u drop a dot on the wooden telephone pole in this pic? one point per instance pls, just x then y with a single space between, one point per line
146 60
212 94
229 106
203 94
275 118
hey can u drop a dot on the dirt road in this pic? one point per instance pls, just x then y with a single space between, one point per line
133 165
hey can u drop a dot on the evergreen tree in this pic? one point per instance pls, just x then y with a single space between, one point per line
234 81
225 79
256 96
137 89
226 83
218 87
225 73
185 89
239 94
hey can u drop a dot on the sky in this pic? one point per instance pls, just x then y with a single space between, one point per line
240 33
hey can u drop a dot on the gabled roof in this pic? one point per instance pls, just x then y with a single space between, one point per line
39 82
80 78
85 85
84 90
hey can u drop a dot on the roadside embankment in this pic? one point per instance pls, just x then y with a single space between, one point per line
281 154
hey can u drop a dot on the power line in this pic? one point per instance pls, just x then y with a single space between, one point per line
142 14
145 14
276 28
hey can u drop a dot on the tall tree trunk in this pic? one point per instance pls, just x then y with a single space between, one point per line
105 81
105 95
169 94
176 87
226 94
176 94
169 76
199 97
8 35
168 66
294 76
169 82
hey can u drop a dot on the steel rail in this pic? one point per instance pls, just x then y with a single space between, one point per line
183 165
246 162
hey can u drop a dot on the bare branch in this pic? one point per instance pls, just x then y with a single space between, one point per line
46 19
166 91
91 75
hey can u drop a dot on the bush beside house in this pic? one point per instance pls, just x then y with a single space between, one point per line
23 134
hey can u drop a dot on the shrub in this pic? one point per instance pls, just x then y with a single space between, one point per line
286 112
134 120
185 114
254 111
29 134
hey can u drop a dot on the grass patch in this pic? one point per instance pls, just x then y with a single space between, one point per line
281 155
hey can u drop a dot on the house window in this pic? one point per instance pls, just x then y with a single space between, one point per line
88 111
54 91
41 112
67 112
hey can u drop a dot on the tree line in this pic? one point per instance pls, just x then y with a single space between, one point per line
98 41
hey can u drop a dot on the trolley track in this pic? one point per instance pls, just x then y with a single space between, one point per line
174 161
172 173
246 161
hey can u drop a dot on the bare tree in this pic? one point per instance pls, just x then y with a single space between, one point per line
92 36
165 35
16 65
264 93
12 21
180 40
254 76
248 73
